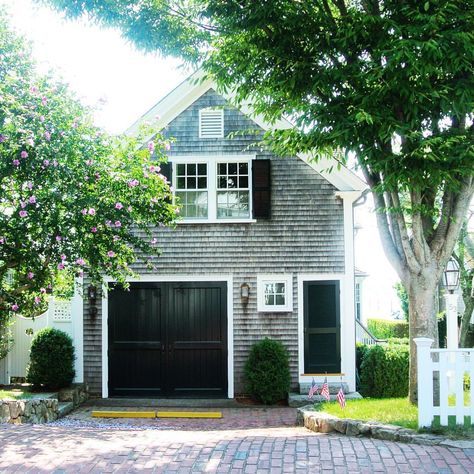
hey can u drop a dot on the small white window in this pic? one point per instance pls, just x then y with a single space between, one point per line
211 123
275 293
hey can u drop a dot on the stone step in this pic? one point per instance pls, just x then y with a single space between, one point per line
296 400
65 408
333 387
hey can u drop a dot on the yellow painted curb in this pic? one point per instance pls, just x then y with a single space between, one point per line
123 414
188 414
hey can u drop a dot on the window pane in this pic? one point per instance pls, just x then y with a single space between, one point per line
243 182
270 300
191 169
232 168
222 182
181 183
269 288
194 203
181 169
222 168
243 168
280 300
202 183
233 204
279 288
202 169
232 182
191 183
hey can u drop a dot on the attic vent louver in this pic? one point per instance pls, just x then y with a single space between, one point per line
211 123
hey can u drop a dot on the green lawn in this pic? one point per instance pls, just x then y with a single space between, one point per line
14 394
395 411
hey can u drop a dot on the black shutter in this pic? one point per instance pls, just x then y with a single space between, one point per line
167 171
261 189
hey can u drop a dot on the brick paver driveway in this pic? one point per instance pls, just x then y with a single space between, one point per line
155 446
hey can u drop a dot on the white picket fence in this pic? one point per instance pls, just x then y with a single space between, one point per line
65 315
441 383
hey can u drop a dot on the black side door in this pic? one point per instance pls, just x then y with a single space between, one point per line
322 335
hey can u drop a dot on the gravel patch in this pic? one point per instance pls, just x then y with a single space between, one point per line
100 425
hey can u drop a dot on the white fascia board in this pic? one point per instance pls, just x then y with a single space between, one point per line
180 98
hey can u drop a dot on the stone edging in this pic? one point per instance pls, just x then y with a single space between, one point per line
321 422
34 410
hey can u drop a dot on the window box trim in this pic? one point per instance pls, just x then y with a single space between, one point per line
287 279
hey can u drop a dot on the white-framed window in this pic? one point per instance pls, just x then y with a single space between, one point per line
211 123
213 189
275 293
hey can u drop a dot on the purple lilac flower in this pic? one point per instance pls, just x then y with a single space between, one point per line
30 142
118 224
61 266
111 253
30 275
16 162
94 230
118 205
58 238
44 100
84 212
41 119
92 211
46 162
32 199
29 184
2 240
134 182
151 147
168 146
22 204
24 154
23 213
63 257
81 261
37 299
43 290
15 307
88 162
2 138
47 136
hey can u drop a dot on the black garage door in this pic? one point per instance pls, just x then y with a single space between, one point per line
168 339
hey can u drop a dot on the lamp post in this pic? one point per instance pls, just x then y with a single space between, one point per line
451 284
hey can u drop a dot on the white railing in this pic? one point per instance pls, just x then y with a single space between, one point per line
441 389
364 336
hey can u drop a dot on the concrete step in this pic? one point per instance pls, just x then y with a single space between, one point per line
65 408
164 402
333 387
296 400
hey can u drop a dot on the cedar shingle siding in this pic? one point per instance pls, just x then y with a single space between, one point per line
304 235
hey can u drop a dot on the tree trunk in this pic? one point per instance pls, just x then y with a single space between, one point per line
467 329
422 297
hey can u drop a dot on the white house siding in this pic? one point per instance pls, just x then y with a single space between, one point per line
304 235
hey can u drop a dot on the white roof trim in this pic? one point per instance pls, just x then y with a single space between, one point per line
180 98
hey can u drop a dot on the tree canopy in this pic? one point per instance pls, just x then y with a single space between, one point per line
71 197
387 81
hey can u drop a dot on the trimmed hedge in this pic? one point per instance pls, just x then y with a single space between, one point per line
384 371
51 359
267 371
385 329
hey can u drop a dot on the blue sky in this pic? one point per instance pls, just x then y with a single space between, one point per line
99 65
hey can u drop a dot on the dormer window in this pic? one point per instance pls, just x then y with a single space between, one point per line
211 123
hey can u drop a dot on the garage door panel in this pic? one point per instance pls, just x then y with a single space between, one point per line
198 370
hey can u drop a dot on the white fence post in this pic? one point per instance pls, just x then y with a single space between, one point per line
425 381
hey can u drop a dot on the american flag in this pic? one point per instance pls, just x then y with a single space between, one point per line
313 390
325 390
341 398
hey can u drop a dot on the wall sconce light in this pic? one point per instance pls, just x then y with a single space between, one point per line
244 292
92 295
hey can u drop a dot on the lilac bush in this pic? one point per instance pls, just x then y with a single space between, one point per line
72 198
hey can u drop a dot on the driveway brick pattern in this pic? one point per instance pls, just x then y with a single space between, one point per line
119 448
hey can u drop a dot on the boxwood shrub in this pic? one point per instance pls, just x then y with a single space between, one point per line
267 371
385 329
51 359
384 371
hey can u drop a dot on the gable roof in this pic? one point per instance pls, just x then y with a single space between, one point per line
186 93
